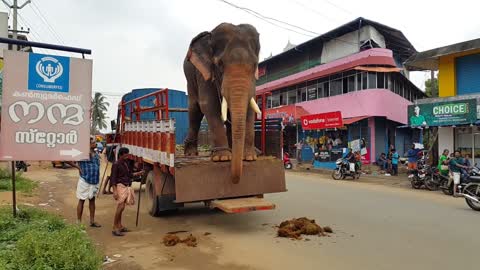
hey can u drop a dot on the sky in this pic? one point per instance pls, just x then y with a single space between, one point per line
138 44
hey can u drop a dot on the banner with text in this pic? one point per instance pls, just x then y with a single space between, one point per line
45 107
322 121
459 112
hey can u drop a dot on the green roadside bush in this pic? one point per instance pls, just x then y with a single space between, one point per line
38 240
22 184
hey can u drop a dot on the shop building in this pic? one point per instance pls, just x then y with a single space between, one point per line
458 67
355 69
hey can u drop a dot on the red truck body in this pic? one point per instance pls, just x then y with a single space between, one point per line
173 179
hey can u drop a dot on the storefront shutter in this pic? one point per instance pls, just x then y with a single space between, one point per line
467 72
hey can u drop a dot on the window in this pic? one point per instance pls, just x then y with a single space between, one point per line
275 100
269 102
302 93
381 80
312 90
320 90
359 81
345 85
364 80
351 83
283 97
336 87
326 89
372 80
388 81
292 95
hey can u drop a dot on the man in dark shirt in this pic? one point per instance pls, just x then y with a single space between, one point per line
121 180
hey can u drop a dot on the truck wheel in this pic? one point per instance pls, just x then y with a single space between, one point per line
151 202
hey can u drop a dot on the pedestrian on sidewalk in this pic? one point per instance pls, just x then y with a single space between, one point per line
88 183
121 177
299 146
395 158
412 155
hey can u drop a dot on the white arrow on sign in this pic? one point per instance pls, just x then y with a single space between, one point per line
74 152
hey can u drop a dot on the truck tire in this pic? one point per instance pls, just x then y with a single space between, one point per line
150 201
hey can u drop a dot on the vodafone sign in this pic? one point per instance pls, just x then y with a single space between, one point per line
322 121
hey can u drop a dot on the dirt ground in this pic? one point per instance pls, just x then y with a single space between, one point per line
142 248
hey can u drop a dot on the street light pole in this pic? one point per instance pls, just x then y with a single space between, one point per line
15 8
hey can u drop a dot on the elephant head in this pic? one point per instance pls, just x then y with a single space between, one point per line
228 56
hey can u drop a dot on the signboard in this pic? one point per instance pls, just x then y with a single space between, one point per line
324 155
312 93
289 113
322 121
360 145
459 112
45 107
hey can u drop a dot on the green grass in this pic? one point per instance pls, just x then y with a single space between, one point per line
39 240
22 184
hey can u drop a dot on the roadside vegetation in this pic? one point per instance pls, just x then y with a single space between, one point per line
23 184
39 240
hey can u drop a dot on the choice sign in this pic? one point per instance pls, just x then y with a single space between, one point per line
322 121
45 107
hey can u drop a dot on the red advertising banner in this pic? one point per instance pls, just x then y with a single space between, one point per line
322 121
45 107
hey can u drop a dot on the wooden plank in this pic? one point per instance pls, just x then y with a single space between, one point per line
199 179
242 205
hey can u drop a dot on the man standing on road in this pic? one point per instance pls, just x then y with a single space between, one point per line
412 155
88 183
121 180
299 146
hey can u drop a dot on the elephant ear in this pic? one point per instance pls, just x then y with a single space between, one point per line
200 54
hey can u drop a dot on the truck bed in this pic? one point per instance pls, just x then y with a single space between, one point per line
200 179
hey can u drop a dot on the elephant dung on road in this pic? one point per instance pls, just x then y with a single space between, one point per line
221 68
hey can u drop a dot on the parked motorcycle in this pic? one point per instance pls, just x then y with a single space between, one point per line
286 161
420 176
438 181
343 170
21 166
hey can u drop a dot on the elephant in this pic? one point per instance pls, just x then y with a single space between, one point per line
221 68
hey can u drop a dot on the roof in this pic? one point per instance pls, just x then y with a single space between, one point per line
394 39
428 60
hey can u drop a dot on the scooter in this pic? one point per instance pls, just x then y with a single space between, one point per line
286 161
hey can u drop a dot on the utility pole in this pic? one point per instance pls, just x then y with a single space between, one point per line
432 77
15 8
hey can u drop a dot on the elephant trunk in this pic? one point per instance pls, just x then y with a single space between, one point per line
238 88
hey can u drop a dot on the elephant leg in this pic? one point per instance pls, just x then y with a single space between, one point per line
210 106
250 153
195 116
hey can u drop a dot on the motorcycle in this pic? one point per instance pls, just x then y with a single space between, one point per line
420 176
286 161
344 170
21 166
471 193
438 181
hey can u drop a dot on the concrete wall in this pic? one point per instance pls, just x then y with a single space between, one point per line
445 139
380 135
348 43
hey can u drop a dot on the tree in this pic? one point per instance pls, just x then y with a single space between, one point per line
431 89
99 110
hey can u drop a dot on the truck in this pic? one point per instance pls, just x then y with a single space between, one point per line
146 125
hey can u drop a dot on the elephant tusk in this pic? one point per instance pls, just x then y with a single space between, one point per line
224 109
254 106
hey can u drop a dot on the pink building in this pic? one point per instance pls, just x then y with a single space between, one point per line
355 69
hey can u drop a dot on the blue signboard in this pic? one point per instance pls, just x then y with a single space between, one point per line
48 73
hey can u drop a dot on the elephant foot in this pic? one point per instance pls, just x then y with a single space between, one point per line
220 154
191 148
250 155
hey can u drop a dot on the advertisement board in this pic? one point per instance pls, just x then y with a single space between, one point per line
45 107
322 121
458 112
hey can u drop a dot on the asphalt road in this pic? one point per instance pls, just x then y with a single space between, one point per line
375 227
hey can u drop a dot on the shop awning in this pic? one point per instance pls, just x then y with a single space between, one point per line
378 69
348 121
